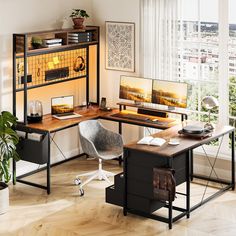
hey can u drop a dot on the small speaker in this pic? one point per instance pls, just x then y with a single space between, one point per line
152 113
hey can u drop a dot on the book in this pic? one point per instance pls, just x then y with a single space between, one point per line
53 40
149 140
52 45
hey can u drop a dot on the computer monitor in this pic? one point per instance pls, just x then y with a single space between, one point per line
169 93
136 89
61 105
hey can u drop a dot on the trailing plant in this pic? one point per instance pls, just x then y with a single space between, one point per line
77 13
8 141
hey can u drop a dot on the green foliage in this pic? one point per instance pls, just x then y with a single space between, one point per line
79 13
8 141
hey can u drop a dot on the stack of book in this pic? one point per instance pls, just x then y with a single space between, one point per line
48 43
79 37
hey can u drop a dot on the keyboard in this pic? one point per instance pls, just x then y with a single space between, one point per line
139 118
131 116
65 114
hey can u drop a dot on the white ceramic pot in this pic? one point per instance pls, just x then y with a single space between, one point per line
4 198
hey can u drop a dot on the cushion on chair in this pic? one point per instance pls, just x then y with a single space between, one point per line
98 141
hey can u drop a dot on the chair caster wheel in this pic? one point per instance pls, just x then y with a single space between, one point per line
77 181
81 192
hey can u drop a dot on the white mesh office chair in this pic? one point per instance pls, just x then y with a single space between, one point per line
98 142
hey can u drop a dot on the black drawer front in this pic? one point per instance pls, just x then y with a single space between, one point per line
145 159
140 188
114 196
143 204
119 182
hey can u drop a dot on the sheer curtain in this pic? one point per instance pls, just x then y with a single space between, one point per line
159 32
159 41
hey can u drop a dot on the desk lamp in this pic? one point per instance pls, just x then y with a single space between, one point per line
209 102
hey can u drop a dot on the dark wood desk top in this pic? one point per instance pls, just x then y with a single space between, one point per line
186 143
165 123
51 124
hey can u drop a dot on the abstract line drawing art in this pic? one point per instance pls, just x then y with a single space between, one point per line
120 45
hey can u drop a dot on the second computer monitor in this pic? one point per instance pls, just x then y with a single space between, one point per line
171 94
136 89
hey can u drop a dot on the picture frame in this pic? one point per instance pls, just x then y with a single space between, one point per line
120 46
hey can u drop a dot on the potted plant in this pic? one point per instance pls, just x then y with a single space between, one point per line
8 141
78 16
37 42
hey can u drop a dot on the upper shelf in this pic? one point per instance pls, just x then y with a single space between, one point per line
42 42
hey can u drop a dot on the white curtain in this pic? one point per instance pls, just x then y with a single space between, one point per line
159 35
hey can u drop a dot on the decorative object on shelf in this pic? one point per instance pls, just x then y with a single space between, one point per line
36 42
35 111
51 67
78 16
209 103
79 64
66 23
8 141
120 41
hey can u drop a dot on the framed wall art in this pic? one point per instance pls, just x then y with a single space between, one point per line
120 46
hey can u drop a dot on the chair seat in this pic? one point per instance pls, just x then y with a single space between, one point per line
108 154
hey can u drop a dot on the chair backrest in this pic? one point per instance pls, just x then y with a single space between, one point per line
89 129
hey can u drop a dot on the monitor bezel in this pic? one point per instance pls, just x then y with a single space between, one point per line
171 81
138 77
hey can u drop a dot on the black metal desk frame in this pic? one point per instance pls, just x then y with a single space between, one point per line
189 176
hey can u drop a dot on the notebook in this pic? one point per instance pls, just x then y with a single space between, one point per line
149 140
63 107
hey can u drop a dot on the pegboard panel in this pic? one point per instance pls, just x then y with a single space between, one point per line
52 67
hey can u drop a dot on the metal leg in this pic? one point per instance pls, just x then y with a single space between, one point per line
170 215
188 159
48 166
191 164
233 159
125 205
14 172
120 132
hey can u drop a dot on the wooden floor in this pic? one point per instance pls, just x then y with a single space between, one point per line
64 212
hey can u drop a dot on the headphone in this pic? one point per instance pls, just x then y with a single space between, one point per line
79 66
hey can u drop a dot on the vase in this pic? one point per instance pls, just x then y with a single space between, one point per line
4 198
78 23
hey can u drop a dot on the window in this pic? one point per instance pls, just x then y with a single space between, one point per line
207 57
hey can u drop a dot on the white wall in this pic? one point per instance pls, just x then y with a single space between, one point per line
121 11
26 16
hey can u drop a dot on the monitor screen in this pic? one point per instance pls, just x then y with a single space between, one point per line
62 105
136 89
172 94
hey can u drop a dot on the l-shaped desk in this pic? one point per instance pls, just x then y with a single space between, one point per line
39 152
137 159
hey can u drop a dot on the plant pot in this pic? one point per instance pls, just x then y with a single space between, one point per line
78 23
4 198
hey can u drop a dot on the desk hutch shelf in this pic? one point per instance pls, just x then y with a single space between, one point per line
48 57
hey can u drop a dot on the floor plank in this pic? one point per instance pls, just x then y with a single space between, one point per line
64 212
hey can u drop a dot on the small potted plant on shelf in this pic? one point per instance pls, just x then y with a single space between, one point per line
8 141
36 42
78 16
